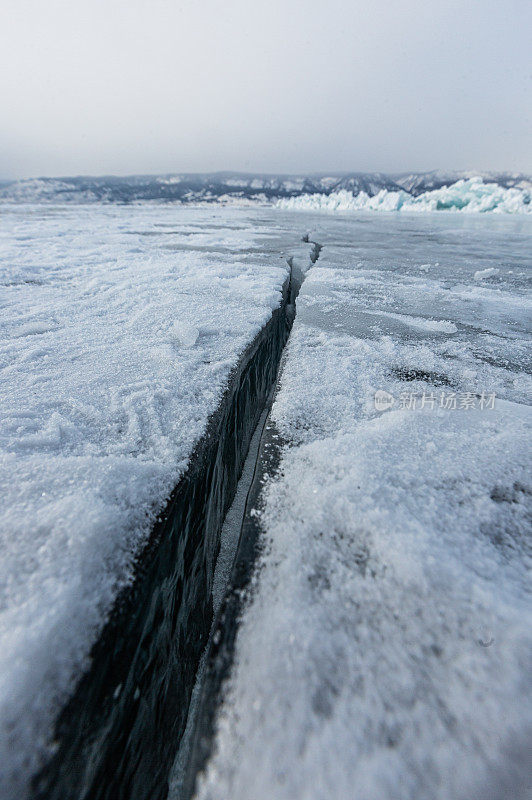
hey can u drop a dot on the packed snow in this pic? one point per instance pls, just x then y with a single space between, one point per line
120 325
386 647
470 195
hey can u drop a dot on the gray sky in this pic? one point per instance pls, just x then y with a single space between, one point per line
137 86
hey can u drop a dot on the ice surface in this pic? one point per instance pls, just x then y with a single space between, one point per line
119 327
387 646
467 195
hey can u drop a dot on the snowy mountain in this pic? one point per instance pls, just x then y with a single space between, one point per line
418 183
234 187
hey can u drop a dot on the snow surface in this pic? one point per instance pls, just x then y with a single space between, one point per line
467 195
119 327
386 650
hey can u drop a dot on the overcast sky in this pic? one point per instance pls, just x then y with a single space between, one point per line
139 86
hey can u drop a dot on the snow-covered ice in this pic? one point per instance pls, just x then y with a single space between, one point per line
386 645
119 327
386 649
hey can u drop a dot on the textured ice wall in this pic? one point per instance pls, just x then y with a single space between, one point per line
470 196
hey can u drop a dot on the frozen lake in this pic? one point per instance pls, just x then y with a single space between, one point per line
385 646
385 649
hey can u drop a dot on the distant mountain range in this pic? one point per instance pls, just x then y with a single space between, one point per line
227 186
